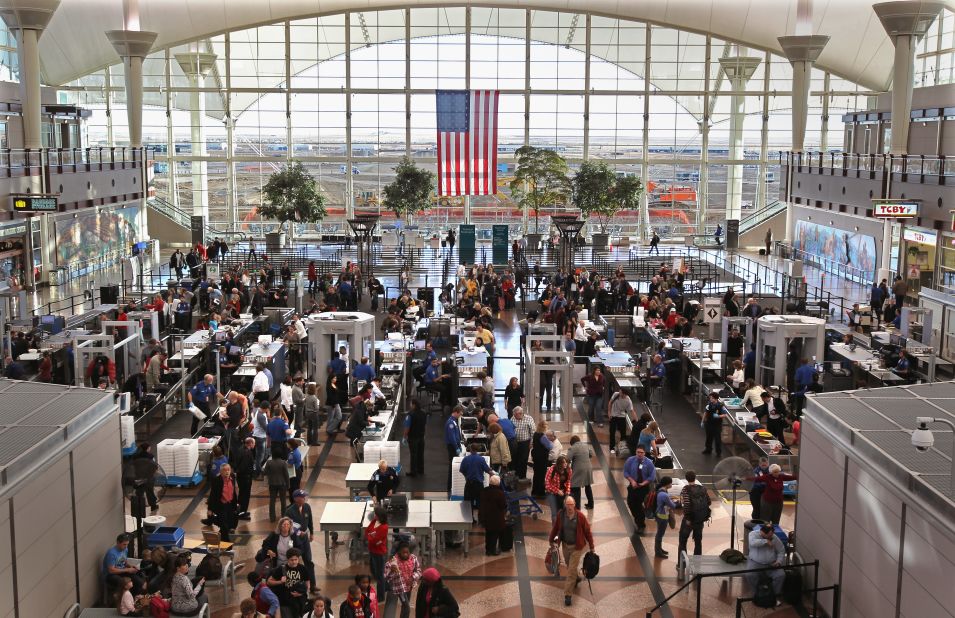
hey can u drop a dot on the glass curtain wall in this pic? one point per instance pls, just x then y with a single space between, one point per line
348 95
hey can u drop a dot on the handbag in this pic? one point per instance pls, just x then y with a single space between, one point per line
552 560
671 520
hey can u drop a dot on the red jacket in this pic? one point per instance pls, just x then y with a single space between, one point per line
584 536
377 538
774 486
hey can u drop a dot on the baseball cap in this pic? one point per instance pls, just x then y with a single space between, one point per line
299 493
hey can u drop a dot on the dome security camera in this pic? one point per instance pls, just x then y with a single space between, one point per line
922 438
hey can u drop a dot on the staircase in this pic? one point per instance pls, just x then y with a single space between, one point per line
175 225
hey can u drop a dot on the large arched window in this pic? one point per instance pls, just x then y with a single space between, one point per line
349 94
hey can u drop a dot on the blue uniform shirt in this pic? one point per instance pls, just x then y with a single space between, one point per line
202 392
804 375
473 467
659 371
431 374
337 365
648 472
364 372
452 433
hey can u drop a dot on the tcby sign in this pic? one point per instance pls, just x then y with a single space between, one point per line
895 210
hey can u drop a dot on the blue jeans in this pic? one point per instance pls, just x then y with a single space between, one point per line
662 525
260 455
556 503
596 409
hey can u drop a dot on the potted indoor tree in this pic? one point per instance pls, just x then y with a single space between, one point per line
290 196
540 179
598 192
410 192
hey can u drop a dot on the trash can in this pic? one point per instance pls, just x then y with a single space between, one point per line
109 294
748 526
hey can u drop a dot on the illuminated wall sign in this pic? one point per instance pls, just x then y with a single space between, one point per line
922 237
895 209
33 203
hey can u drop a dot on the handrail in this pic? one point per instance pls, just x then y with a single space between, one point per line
914 164
699 577
184 219
763 214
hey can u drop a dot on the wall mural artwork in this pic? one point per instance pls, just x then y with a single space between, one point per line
840 246
95 234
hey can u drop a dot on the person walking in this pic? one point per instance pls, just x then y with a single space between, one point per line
243 461
696 510
712 417
654 244
618 409
434 600
582 476
376 534
540 451
639 472
594 384
523 432
557 485
276 473
222 505
769 241
414 433
493 515
664 511
402 573
571 531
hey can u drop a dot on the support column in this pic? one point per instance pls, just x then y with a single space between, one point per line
905 21
27 20
801 51
738 69
133 46
196 66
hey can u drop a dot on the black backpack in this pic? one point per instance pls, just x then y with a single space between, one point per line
699 509
590 565
764 596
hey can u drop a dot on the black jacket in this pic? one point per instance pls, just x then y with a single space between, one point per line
243 461
380 484
763 410
345 609
299 542
419 422
215 503
442 605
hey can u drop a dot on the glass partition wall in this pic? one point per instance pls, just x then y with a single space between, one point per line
349 94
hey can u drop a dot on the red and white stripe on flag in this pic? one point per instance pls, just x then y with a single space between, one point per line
467 142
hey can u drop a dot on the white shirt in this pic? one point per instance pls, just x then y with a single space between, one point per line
556 450
376 392
260 383
737 378
752 396
299 328
285 394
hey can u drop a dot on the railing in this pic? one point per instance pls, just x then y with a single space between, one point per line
698 579
184 219
826 265
912 164
836 596
19 162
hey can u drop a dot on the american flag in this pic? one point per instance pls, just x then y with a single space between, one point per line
467 142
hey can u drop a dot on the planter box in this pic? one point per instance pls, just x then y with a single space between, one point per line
600 241
274 241
534 241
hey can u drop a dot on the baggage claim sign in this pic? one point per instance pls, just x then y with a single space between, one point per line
30 202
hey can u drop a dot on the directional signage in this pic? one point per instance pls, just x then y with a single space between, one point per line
28 202
895 209
712 310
